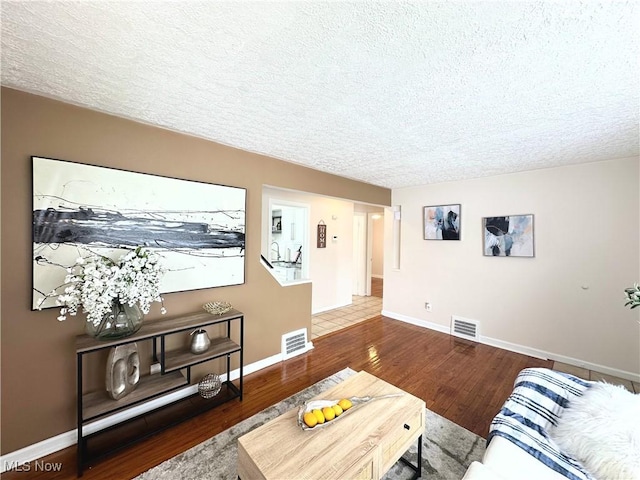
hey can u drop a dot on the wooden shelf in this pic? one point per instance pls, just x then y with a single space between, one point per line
175 360
156 328
96 404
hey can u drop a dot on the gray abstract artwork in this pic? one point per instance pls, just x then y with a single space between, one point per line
198 229
510 236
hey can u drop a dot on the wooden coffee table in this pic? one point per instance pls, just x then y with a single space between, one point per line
363 444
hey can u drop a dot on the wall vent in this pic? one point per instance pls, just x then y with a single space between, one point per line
465 328
294 343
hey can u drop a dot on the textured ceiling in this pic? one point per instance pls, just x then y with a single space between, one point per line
390 93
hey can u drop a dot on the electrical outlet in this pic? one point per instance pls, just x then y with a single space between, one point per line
155 368
427 306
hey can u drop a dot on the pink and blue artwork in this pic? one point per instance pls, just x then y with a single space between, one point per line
442 222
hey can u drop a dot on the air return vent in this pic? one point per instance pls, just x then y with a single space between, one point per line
465 328
294 343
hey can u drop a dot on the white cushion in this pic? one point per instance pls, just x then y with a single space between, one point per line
478 471
601 429
513 463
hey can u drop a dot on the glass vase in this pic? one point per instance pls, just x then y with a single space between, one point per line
123 320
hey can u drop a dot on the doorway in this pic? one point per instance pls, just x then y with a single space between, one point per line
367 277
368 251
361 284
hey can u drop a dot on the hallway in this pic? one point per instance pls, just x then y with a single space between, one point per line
361 309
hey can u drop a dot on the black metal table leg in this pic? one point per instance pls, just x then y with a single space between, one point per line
419 470
416 468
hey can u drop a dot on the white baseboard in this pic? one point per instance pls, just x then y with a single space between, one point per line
28 454
415 321
634 377
513 347
22 458
377 276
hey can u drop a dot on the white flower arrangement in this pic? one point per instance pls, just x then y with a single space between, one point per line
633 296
94 282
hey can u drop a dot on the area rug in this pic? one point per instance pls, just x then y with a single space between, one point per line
447 448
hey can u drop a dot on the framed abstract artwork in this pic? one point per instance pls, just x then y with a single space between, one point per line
510 236
198 229
442 222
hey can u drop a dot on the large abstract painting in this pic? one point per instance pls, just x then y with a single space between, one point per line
442 222
197 228
508 236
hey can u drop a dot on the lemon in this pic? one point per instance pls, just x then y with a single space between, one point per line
345 404
328 413
310 419
318 414
337 409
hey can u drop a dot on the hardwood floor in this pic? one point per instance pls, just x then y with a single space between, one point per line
458 379
376 287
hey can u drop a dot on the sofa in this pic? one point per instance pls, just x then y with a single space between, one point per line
544 425
504 460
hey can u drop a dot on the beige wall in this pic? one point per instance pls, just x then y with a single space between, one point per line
38 354
568 300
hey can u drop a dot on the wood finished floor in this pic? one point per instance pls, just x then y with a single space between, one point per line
460 380
377 286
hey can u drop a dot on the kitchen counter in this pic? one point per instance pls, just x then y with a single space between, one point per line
286 271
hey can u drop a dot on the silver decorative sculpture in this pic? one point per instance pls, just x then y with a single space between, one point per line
210 385
199 341
123 370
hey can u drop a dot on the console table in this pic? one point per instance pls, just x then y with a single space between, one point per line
97 405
